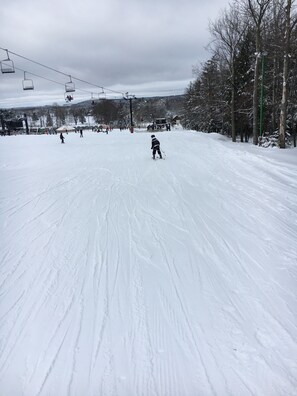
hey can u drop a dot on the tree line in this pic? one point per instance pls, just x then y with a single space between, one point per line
248 86
114 112
103 111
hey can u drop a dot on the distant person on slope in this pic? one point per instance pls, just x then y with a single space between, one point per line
62 137
155 146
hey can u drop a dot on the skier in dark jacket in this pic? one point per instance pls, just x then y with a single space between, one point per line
155 146
62 137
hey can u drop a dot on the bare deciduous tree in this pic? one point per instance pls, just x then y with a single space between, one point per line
257 10
228 32
283 114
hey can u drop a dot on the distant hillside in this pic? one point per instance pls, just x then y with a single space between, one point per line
116 111
147 109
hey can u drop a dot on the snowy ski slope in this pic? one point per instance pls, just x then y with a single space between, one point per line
125 276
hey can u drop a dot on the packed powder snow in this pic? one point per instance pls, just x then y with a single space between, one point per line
125 276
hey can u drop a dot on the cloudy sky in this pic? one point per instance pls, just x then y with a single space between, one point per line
144 47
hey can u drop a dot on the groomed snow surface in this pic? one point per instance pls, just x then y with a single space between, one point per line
121 275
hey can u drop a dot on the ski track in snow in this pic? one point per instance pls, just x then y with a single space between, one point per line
126 276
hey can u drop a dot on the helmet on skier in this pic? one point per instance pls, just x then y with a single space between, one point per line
152 136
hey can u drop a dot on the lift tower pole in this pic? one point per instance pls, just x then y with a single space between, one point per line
130 98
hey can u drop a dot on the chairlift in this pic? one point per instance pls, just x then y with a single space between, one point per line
93 99
70 86
102 94
68 97
7 65
27 83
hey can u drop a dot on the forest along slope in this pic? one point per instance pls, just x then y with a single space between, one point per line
121 275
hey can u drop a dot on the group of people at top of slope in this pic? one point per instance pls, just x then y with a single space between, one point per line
155 144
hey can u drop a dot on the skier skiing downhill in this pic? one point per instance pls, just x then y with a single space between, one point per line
155 146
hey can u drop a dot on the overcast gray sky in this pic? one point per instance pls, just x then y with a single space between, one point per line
144 47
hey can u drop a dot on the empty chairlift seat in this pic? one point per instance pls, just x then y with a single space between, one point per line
27 83
70 86
7 65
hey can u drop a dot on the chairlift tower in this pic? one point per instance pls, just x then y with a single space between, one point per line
130 98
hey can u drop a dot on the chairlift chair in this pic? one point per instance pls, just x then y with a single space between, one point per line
68 97
7 65
27 83
70 86
102 94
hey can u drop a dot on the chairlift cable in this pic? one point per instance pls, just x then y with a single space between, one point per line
58 71
48 79
74 78
37 63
